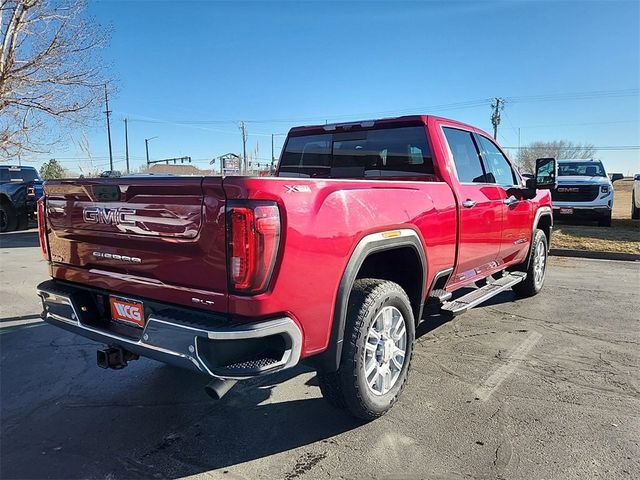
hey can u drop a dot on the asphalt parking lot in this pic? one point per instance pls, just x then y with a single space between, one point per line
547 387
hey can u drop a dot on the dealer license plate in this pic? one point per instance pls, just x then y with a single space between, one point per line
127 311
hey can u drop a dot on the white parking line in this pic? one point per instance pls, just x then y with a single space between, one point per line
6 327
503 372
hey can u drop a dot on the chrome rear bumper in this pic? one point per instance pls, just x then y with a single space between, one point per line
181 342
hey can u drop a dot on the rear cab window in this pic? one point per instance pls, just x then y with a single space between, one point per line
18 174
375 153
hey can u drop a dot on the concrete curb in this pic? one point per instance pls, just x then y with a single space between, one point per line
563 252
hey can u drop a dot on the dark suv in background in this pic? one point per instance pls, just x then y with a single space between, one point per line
20 189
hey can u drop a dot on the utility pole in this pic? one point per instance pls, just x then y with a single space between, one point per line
108 112
245 166
498 106
126 143
273 155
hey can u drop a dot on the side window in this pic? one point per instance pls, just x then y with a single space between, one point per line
388 152
497 164
307 156
465 156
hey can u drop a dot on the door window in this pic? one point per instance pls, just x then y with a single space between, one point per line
497 164
465 156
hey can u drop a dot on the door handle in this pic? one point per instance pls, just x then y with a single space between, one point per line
468 203
511 201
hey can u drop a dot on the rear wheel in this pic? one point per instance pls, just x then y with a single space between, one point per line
635 211
8 218
376 355
537 267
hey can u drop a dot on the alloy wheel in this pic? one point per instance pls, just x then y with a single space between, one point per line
385 350
539 264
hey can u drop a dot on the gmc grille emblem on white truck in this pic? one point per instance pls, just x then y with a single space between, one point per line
568 189
108 216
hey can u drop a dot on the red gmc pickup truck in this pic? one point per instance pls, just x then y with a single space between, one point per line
330 262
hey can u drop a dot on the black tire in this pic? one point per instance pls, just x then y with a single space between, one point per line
8 218
605 221
348 388
635 211
531 286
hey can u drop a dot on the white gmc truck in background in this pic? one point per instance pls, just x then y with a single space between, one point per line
584 191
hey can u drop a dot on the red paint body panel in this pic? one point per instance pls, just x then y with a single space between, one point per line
178 232
179 237
321 229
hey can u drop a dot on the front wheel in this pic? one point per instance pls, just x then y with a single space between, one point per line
378 345
537 267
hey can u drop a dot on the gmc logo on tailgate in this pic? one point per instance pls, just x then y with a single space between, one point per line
109 216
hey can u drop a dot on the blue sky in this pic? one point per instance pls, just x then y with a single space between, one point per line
280 64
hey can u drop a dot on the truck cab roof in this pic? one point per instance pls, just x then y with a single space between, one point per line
404 120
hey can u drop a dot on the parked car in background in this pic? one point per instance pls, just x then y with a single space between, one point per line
635 197
20 189
584 191
111 174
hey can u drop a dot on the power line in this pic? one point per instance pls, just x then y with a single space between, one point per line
617 122
606 147
437 107
446 106
574 96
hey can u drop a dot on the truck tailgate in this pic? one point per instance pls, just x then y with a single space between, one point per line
163 238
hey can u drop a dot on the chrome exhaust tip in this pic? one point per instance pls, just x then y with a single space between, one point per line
217 389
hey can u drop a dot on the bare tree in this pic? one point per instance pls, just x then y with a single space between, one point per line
50 77
88 167
559 149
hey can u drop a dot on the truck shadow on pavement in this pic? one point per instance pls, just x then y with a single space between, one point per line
63 417
433 320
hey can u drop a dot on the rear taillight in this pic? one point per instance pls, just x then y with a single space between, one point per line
254 238
42 234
